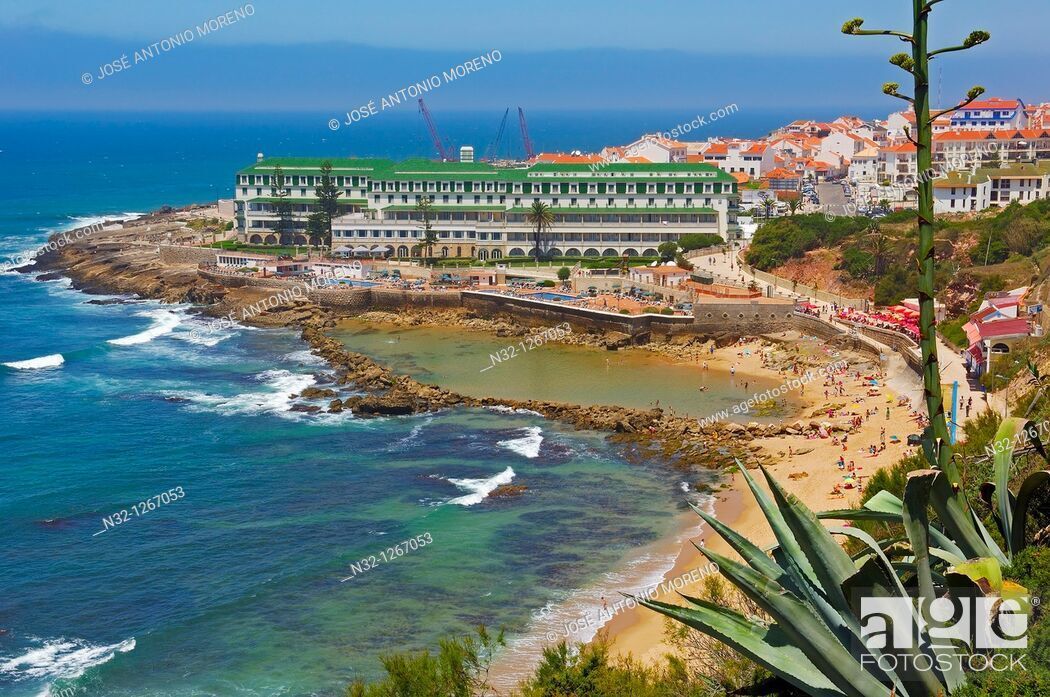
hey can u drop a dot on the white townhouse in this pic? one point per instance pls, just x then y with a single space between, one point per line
655 148
992 113
753 158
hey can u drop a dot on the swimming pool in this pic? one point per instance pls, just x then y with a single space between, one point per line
354 284
551 297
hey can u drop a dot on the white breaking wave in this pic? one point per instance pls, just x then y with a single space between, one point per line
480 488
52 361
528 445
281 385
503 409
165 322
27 257
305 356
61 659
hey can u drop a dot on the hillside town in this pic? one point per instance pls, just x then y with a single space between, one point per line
991 153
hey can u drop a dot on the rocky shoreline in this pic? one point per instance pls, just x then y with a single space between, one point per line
124 261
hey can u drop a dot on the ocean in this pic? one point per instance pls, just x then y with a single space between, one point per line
171 527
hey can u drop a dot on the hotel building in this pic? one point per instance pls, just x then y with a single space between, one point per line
480 210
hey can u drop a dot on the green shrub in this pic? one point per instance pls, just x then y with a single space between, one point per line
564 273
666 311
699 240
545 284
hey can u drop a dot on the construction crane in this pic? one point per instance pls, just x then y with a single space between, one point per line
526 141
492 152
432 129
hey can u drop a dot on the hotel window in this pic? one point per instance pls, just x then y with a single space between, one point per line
244 191
611 201
477 199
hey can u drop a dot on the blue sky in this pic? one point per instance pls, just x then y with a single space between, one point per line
557 54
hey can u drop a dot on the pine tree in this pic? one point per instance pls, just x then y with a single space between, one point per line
327 198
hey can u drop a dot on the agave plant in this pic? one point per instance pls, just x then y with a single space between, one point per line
962 529
811 589
1010 510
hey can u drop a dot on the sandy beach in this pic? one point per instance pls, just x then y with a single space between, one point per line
811 476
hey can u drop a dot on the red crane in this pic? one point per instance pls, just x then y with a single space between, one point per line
529 154
432 129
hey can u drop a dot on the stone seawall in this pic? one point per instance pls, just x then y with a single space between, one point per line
711 318
752 317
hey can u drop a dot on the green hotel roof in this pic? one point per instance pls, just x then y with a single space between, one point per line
421 169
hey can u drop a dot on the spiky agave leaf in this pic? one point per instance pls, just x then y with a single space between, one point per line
1029 486
1009 435
767 646
803 628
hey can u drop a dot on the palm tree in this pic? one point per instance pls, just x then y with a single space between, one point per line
794 204
767 204
878 245
541 217
423 207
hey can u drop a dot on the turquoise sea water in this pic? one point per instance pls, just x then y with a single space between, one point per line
235 587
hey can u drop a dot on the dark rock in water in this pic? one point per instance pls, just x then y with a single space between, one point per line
316 393
379 406
176 400
306 408
508 491
335 406
113 301
55 523
50 276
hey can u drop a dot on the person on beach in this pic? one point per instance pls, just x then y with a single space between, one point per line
705 365
887 413
732 369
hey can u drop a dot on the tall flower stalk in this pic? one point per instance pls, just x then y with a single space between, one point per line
917 64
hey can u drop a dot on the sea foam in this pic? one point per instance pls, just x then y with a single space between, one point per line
164 322
526 446
52 361
61 659
480 488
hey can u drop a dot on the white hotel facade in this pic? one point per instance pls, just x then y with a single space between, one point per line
479 210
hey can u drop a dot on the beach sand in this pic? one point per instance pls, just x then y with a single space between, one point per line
639 631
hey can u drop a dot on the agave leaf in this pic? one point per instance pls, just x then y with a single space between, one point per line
1031 484
985 572
873 580
862 514
959 521
802 627
917 525
829 561
1006 437
789 555
884 501
748 551
767 646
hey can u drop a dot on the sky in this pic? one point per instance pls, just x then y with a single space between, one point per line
586 54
